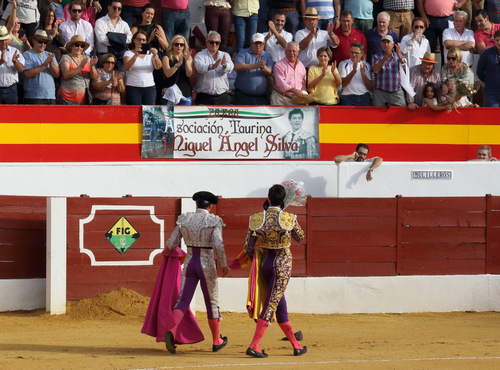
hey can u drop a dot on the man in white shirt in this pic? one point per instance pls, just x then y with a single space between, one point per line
415 45
460 37
311 38
356 78
11 63
77 26
111 23
277 38
212 66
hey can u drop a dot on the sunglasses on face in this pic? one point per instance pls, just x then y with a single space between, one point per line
76 10
42 42
117 8
79 45
451 58
214 42
109 62
422 27
179 44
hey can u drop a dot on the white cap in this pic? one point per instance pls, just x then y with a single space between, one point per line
258 37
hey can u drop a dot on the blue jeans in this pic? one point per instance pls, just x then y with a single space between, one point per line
8 95
129 13
245 28
262 25
491 101
140 95
189 101
364 100
435 30
176 24
323 23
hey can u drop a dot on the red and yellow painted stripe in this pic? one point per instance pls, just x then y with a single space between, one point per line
94 134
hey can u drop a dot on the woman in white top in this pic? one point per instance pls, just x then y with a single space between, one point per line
140 62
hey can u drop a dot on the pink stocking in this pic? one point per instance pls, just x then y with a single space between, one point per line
259 333
287 329
214 328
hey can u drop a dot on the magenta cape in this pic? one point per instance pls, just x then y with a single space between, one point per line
159 317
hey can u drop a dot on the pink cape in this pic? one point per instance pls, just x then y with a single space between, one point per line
159 317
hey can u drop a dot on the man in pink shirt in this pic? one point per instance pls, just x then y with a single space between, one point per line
436 14
484 35
289 77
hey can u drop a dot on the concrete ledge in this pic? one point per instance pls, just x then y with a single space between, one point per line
22 294
394 294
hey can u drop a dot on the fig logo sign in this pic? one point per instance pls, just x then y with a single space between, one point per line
122 235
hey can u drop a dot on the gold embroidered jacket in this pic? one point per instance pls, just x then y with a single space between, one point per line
273 229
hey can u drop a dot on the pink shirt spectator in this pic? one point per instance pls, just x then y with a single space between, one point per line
486 37
439 8
135 3
175 4
287 77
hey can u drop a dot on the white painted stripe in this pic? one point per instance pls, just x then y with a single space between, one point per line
258 363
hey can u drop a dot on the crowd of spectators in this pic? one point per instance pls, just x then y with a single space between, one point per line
348 52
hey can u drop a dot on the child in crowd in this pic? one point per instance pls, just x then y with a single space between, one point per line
431 100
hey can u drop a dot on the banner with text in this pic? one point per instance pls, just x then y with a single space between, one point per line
264 132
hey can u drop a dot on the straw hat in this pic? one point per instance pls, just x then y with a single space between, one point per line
429 58
41 35
302 100
77 39
4 33
311 13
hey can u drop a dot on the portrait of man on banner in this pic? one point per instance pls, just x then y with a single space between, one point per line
302 142
157 132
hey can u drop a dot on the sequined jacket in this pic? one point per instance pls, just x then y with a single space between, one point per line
199 229
273 229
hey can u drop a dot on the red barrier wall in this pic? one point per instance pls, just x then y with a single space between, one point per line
94 134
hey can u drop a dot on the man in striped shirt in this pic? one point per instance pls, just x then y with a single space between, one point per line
386 68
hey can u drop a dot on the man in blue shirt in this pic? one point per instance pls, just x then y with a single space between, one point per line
488 71
40 69
374 35
253 67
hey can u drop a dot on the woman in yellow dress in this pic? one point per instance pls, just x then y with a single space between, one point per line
323 81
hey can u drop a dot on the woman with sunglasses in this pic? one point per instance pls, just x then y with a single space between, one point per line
178 68
455 69
415 44
140 62
49 24
76 70
108 83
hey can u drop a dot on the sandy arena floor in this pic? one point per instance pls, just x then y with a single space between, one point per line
104 333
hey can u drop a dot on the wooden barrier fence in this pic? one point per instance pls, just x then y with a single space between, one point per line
344 237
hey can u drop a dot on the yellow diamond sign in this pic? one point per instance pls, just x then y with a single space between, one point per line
122 235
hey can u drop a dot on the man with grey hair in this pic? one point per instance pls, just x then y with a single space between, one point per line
460 37
374 35
484 154
212 66
289 77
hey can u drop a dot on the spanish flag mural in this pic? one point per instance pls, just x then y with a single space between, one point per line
114 133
